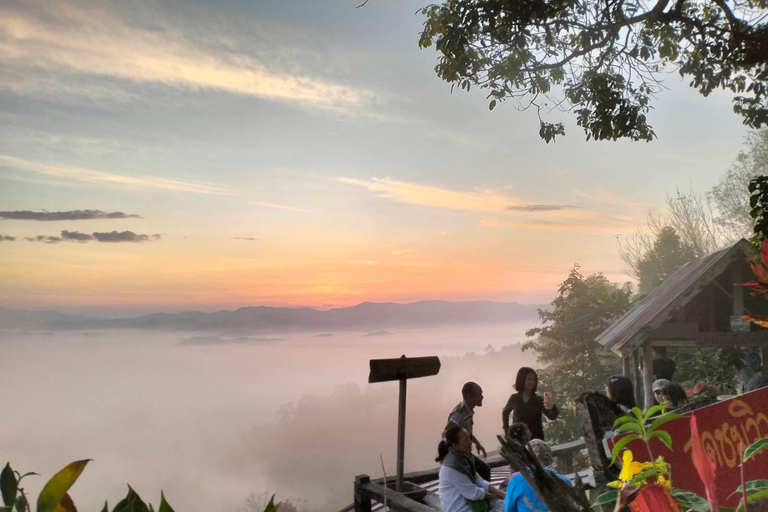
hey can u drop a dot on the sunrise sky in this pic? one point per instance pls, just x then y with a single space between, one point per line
299 153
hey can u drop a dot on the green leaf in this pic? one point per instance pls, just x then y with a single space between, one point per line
663 419
640 478
66 505
691 500
755 448
663 436
21 504
753 498
637 412
607 498
624 441
623 419
492 105
633 426
752 485
656 409
164 506
106 507
58 485
271 507
8 485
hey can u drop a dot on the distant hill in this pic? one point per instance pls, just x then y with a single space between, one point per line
366 316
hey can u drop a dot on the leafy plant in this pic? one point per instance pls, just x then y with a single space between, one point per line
54 496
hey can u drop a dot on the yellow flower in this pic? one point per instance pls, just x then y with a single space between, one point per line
664 481
616 484
630 469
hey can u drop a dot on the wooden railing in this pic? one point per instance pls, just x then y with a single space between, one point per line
415 499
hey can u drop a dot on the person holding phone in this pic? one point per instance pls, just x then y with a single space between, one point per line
526 406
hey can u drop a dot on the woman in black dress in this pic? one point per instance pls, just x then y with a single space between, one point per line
528 407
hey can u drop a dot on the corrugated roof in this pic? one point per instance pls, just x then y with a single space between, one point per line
630 330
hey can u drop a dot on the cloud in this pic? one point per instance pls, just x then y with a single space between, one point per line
43 238
6 238
76 236
244 238
280 206
111 237
479 200
541 208
215 340
104 178
589 225
124 236
70 215
72 41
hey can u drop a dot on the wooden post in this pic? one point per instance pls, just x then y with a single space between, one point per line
638 378
625 364
362 500
402 369
648 374
401 435
738 293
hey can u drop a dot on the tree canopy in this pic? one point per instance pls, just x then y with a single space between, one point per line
574 361
668 254
602 59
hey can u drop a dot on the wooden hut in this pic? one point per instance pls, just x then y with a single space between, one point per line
697 306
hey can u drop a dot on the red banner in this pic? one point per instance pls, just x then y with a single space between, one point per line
726 428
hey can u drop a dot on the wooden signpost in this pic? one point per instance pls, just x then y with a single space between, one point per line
402 369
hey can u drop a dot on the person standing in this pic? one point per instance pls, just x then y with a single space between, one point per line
528 407
463 416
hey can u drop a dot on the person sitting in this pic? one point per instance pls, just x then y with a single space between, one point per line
674 396
752 365
520 432
461 488
759 378
658 387
520 495
621 391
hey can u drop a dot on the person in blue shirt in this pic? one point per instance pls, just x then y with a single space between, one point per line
520 495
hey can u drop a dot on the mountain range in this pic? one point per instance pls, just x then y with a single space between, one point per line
365 316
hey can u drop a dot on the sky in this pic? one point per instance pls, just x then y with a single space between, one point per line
304 153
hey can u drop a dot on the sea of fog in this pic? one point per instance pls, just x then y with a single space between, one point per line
213 421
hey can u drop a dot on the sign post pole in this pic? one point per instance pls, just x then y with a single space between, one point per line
402 369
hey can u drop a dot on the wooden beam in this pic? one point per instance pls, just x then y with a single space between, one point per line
648 375
638 379
738 292
362 499
626 366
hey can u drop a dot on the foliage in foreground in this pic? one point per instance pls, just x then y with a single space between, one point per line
603 61
54 496
636 427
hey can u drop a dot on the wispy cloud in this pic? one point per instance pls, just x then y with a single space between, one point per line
70 215
91 176
7 238
541 208
592 224
92 41
244 238
478 200
279 206
107 237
